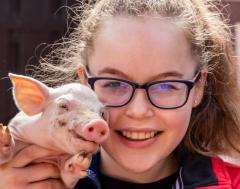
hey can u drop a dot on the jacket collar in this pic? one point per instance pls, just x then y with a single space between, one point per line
195 171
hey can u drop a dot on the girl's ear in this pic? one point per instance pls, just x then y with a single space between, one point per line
82 75
29 94
200 86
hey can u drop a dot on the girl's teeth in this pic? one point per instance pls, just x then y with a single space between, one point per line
138 135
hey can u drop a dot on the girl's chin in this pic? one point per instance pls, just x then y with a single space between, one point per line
135 156
138 161
137 166
141 169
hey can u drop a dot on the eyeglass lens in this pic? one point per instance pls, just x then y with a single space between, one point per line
168 94
163 94
113 92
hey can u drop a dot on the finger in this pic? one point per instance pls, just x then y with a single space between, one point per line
78 162
22 177
85 163
31 153
47 184
41 171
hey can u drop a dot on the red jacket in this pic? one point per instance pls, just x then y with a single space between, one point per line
228 175
201 172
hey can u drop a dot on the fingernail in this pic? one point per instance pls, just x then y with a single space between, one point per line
6 137
7 130
84 154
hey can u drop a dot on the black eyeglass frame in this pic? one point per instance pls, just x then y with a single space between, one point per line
189 83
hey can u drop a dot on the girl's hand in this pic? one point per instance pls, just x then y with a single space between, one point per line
19 173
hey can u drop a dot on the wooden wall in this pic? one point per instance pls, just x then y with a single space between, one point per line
24 25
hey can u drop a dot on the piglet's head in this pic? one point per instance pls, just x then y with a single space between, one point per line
30 95
70 115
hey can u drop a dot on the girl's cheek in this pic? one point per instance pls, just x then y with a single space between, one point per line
114 116
176 118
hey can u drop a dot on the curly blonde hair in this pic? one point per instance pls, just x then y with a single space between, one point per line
214 125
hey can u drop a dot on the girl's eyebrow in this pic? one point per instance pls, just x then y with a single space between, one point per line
113 71
160 76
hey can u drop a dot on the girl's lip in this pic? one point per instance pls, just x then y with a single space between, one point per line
144 143
139 130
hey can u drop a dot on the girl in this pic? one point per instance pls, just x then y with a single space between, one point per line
166 72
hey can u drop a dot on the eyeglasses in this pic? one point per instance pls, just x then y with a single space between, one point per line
166 94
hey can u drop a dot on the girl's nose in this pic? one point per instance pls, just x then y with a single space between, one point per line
139 107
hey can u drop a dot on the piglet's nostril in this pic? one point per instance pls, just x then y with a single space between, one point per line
103 133
90 129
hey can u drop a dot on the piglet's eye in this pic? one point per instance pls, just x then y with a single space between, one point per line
104 114
64 107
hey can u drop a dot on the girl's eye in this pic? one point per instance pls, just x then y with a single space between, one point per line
168 86
113 84
165 86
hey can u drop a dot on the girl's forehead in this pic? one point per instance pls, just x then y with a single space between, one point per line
130 26
150 44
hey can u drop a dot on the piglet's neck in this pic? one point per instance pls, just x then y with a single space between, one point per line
24 129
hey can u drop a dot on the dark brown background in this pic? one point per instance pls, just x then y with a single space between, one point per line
24 25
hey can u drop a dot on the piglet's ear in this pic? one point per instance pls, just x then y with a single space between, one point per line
29 94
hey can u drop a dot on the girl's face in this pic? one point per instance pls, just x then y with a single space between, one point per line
143 50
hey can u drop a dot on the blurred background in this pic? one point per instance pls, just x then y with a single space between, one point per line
26 26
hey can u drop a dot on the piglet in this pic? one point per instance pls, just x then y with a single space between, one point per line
68 119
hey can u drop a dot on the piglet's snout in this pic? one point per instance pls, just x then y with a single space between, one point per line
96 131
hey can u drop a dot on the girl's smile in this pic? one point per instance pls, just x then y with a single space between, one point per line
138 138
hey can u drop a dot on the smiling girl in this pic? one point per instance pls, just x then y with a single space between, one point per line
166 72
